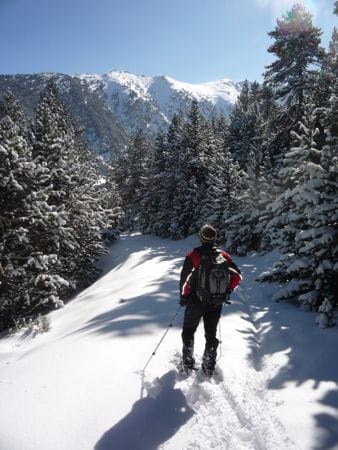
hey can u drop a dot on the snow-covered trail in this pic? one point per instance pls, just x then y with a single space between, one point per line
80 386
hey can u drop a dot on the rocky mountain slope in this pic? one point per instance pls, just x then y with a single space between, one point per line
103 131
149 102
113 105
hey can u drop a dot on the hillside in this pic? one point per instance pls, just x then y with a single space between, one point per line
102 130
82 386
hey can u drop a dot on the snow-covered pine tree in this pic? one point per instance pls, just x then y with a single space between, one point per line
297 48
111 200
118 174
242 127
132 172
220 127
29 283
324 219
54 139
305 224
242 233
269 132
92 206
76 218
280 229
16 172
151 217
10 107
213 200
191 180
328 73
323 82
171 178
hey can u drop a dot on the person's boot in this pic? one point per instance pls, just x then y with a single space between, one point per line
188 360
209 359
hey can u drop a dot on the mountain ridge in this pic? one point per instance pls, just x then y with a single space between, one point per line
113 105
149 102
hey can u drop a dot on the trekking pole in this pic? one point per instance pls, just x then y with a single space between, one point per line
220 337
227 302
157 346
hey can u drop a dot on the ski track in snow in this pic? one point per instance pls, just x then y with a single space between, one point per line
231 413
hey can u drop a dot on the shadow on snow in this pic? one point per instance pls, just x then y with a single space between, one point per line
151 421
157 306
281 327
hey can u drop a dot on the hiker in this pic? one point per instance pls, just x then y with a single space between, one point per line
207 279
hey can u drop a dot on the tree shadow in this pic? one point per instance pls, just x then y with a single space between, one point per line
284 328
151 246
136 312
151 421
328 423
132 313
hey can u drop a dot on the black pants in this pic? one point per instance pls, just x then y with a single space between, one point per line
192 316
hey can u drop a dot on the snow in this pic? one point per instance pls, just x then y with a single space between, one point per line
158 86
82 385
139 100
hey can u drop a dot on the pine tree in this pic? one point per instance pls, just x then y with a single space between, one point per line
281 228
191 180
132 176
212 203
16 170
9 106
111 200
305 224
323 82
70 182
171 178
256 125
54 140
297 47
27 285
270 130
242 127
155 191
92 207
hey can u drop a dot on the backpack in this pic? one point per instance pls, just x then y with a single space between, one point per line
210 281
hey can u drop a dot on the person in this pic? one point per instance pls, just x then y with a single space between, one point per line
195 309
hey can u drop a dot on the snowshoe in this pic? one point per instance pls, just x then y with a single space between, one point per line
209 360
208 371
188 360
188 366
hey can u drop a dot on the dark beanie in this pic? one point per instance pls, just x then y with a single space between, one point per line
208 234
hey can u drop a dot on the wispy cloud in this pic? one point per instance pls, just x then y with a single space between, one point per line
279 7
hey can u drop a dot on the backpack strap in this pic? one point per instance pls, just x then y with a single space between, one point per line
195 257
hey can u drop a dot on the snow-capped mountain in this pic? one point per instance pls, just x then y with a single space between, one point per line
111 106
149 103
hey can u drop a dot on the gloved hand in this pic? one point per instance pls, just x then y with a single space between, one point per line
184 300
227 298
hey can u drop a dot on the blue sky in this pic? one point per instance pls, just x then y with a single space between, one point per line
190 40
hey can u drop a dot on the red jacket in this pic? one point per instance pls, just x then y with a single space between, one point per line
193 260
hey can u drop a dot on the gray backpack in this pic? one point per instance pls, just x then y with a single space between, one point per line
211 280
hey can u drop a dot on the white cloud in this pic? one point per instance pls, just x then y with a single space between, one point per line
279 7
